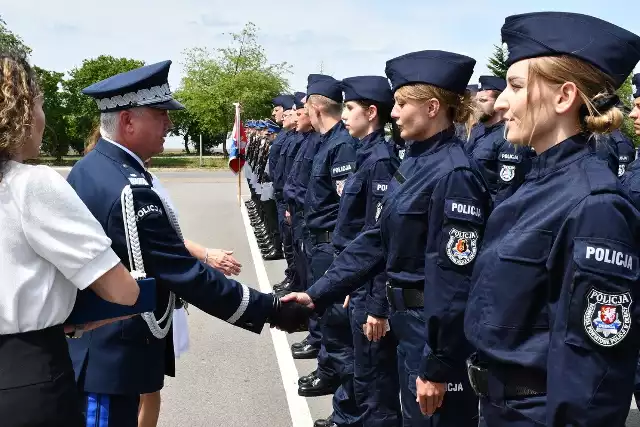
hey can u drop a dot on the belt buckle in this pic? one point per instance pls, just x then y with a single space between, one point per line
472 371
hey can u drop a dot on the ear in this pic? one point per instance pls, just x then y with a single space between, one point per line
565 97
372 112
433 107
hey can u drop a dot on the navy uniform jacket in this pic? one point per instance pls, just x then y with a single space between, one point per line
503 165
554 283
426 238
332 165
295 187
292 152
274 152
361 204
280 173
626 151
124 357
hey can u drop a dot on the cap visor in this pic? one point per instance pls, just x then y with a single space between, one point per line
172 104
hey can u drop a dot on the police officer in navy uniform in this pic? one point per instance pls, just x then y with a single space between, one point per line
283 164
631 183
554 287
503 165
368 103
332 165
426 238
295 193
117 363
626 151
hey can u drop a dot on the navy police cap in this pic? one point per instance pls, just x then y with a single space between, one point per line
446 70
299 97
146 86
472 88
372 88
285 101
608 47
492 83
320 84
636 83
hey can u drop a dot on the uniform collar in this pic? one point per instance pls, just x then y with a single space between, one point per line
120 154
126 150
367 145
336 129
559 156
429 145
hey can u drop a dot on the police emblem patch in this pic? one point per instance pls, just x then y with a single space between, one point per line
401 154
507 173
621 170
340 186
462 246
378 210
607 317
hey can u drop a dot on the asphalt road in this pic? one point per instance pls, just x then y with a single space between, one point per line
231 377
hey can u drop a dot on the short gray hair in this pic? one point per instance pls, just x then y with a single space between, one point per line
109 124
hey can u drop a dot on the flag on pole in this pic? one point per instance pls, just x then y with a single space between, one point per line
238 143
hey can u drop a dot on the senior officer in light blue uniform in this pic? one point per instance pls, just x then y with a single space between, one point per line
117 363
552 308
426 240
332 165
368 103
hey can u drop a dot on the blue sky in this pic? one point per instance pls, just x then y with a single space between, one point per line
348 37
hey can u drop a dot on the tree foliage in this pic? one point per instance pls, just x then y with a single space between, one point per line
83 113
238 73
626 96
55 141
498 62
11 41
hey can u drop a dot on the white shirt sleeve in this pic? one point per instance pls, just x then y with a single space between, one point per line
62 230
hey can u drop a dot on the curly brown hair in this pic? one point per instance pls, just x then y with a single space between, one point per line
18 90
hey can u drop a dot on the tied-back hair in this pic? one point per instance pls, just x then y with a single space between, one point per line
598 113
18 90
458 107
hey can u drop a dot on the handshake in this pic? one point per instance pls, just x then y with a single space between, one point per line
291 313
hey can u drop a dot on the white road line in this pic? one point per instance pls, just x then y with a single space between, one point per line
298 407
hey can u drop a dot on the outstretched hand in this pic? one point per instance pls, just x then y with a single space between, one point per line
290 316
300 298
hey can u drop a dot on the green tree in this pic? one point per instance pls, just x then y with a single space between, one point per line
55 141
11 41
83 113
626 96
238 73
498 62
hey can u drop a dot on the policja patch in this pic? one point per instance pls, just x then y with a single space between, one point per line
607 317
462 246
507 173
147 210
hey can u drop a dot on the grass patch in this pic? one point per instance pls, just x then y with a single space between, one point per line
176 162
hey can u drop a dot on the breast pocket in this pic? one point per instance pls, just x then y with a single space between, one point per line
410 230
353 186
520 299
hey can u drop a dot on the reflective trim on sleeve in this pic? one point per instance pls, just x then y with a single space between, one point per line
246 295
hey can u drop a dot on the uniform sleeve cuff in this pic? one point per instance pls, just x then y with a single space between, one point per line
434 369
94 269
376 308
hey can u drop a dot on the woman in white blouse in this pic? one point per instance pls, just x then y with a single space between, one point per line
51 246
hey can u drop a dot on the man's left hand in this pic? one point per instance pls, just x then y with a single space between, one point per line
429 395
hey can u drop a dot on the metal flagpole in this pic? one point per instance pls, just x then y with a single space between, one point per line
239 143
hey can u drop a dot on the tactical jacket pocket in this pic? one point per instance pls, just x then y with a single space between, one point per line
520 301
353 186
